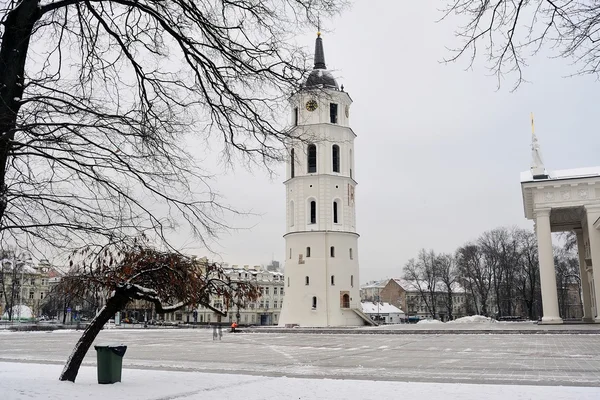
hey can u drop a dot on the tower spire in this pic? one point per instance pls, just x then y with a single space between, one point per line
319 53
538 171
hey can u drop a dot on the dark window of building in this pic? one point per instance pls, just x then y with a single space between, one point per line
292 163
312 158
314 302
307 252
335 212
335 154
332 251
307 281
333 113
296 116
351 280
346 300
332 280
313 212
351 254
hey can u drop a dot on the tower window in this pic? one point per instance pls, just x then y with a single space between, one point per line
288 281
332 280
351 281
314 302
306 280
307 252
313 212
332 251
296 116
333 113
312 158
290 253
335 154
351 254
335 212
292 163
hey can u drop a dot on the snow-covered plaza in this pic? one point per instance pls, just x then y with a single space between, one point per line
187 364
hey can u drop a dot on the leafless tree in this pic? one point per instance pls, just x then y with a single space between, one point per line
475 275
528 281
99 101
506 32
168 280
12 269
424 275
448 276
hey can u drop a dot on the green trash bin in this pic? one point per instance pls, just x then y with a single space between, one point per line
110 362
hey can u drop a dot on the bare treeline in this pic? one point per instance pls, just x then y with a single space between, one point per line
499 273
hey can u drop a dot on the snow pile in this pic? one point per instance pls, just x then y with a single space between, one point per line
19 312
430 321
473 319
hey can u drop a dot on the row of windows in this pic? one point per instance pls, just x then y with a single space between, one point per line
265 290
333 114
331 252
307 280
345 303
312 215
311 160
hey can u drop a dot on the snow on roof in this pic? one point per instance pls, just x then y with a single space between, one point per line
375 284
411 285
24 267
589 172
380 308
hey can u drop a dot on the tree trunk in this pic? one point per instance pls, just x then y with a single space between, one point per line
113 305
18 27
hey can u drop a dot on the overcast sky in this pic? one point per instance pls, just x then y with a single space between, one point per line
439 148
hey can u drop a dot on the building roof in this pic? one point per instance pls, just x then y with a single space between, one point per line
589 172
380 308
375 284
411 285
319 76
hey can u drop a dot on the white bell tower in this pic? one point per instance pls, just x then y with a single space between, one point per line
321 268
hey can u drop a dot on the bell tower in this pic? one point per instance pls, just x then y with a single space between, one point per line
321 268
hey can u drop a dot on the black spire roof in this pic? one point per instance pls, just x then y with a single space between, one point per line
319 76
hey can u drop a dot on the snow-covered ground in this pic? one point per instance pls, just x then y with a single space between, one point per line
39 381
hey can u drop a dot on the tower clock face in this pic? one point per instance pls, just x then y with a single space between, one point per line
311 105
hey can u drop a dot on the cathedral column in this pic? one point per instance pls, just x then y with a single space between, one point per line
585 282
592 215
547 272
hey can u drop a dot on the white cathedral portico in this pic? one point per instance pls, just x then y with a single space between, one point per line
558 201
321 269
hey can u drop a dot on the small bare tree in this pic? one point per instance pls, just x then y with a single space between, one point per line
506 32
424 275
169 281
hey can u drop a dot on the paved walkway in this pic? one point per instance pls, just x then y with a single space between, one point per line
439 328
475 358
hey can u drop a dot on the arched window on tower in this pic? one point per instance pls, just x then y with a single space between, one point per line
307 252
313 212
312 158
332 251
351 281
351 163
335 211
335 155
314 302
351 254
332 280
306 280
292 163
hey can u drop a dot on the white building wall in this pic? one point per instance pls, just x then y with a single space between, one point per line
323 186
